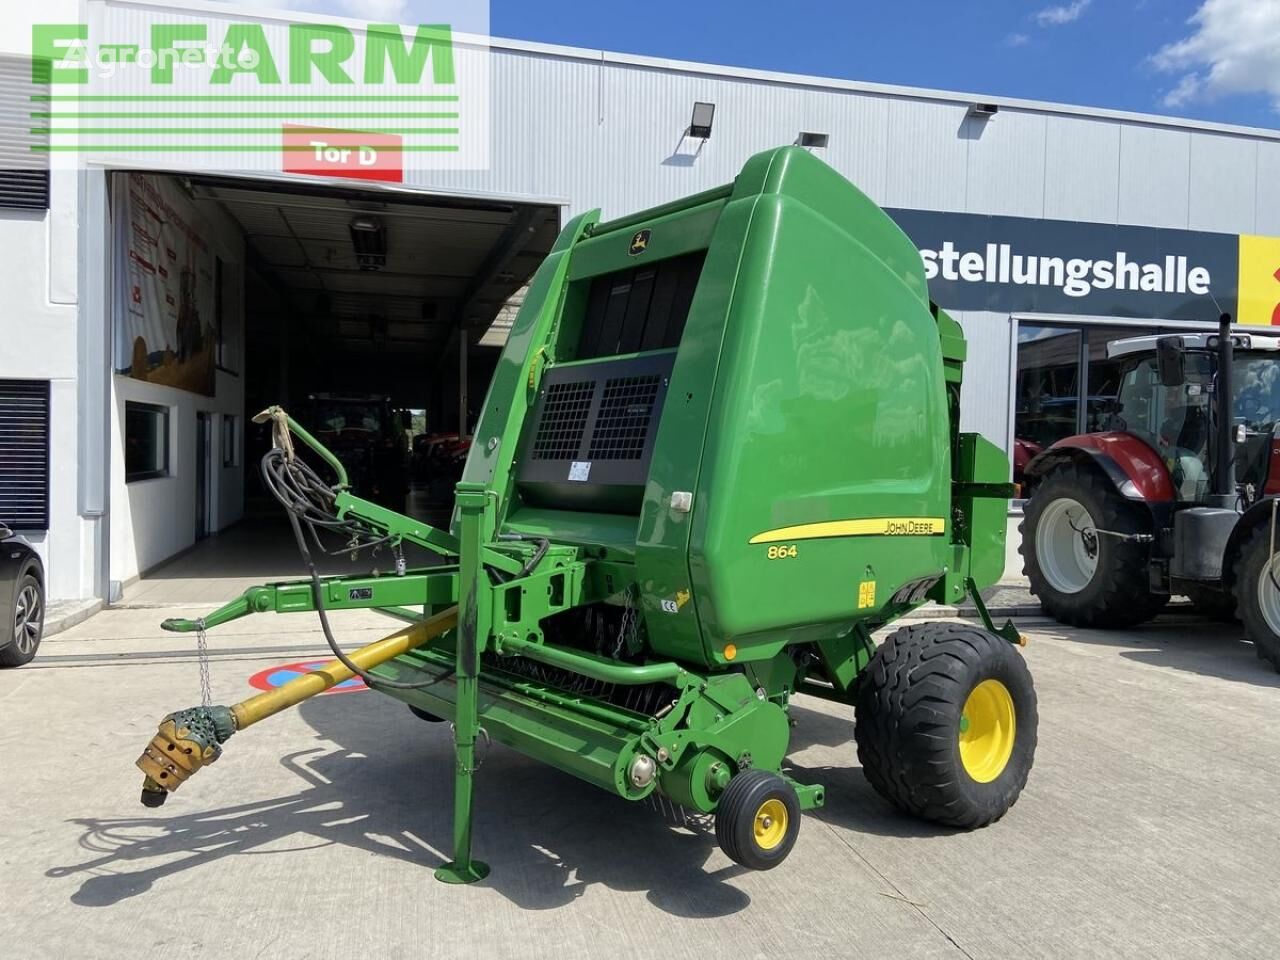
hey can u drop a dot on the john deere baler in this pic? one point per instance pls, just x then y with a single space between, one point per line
720 449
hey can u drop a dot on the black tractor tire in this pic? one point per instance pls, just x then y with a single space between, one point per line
424 715
911 727
1119 592
1212 604
26 627
747 819
1250 569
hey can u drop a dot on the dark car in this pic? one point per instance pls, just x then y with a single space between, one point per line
21 600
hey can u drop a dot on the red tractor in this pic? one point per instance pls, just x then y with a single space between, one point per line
1178 497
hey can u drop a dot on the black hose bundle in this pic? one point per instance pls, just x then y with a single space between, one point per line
310 502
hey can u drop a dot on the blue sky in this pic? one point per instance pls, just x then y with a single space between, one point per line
1209 59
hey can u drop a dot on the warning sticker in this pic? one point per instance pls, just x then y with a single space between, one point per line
580 470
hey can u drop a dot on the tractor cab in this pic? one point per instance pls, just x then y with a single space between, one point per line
1166 399
1177 497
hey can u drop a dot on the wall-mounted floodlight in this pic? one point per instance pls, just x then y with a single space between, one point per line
813 141
369 238
703 115
983 111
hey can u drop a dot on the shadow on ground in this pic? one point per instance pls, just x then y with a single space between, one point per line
1185 642
381 783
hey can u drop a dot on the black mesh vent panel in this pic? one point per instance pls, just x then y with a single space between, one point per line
564 418
622 424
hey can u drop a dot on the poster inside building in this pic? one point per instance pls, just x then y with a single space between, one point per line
165 328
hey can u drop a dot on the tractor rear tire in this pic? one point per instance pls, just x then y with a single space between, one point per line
757 819
946 723
1101 582
1212 604
1259 600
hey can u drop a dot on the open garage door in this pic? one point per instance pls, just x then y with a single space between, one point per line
348 305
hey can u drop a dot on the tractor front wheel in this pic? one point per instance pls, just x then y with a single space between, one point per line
757 819
1083 567
1257 578
946 723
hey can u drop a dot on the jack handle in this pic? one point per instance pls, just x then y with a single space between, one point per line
284 428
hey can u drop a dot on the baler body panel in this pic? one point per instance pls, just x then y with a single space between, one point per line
825 478
803 406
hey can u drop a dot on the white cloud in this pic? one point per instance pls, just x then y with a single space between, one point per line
1017 40
1065 13
1186 91
1234 49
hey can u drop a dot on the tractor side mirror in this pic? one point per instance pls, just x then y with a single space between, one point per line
1171 355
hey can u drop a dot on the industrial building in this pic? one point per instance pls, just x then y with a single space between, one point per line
1045 229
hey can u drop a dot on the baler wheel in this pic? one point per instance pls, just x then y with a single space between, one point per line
946 723
757 819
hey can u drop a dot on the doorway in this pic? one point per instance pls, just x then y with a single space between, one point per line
204 467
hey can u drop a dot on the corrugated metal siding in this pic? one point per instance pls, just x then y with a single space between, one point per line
24 454
1006 164
926 157
1268 209
24 175
984 396
1221 201
1081 164
1154 176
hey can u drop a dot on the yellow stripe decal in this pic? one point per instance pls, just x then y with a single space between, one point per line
877 527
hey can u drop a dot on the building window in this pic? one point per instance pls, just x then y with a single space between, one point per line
1065 384
230 447
24 454
146 441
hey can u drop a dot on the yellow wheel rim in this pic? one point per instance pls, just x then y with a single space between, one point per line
988 727
770 824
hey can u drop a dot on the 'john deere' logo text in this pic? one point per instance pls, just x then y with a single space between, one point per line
639 243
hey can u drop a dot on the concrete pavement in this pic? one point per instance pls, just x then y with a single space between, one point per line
1147 829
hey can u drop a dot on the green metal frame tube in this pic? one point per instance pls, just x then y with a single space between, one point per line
597 668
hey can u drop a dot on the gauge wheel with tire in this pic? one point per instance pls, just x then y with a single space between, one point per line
1257 579
1212 604
757 819
1081 575
945 722
28 622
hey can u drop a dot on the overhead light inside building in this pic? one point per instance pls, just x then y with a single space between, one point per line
983 111
703 116
369 237
813 141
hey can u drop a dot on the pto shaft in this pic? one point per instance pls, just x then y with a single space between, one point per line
192 738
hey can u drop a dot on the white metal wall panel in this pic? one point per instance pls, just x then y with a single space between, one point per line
1224 183
1267 220
926 155
1081 161
1154 176
984 396
1006 164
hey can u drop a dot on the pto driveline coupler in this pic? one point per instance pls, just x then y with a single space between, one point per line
186 741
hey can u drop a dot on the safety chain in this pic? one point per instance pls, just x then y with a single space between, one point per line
627 628
202 656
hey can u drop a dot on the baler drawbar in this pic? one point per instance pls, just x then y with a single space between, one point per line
720 449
